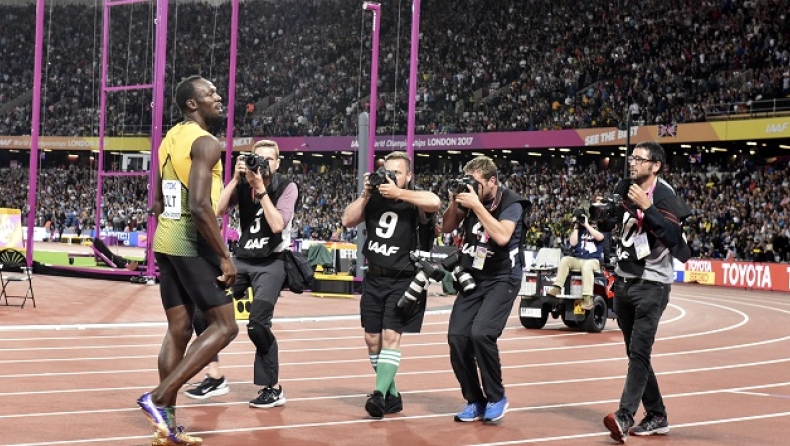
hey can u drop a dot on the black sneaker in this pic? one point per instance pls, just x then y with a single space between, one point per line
618 426
208 388
269 397
375 405
393 403
651 424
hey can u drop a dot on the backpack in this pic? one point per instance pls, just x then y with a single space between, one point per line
298 273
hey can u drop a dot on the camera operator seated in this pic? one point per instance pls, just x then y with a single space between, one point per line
588 249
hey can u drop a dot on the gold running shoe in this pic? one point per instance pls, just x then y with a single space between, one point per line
182 439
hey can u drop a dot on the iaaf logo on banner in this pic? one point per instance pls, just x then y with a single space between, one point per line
747 275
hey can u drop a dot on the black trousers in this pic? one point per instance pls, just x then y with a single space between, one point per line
266 278
639 306
476 322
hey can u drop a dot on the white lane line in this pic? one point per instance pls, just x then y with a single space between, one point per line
448 415
673 426
284 320
280 341
163 325
446 389
513 327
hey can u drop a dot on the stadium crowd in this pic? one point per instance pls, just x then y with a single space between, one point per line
739 213
303 67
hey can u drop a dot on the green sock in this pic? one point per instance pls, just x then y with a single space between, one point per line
374 360
389 361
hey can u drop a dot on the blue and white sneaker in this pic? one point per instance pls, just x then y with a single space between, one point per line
495 411
472 412
156 415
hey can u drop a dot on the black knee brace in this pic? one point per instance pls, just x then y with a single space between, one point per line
261 336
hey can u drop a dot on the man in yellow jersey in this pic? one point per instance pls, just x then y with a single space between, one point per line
194 262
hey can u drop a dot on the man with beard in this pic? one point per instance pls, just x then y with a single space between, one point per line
490 218
194 262
266 201
393 214
650 235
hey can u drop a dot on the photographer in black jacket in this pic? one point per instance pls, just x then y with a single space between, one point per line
650 235
490 218
266 203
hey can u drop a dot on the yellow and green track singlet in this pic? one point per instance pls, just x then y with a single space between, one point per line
176 233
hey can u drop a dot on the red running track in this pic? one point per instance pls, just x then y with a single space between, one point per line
72 369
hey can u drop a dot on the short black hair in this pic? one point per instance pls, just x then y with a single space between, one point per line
186 91
657 152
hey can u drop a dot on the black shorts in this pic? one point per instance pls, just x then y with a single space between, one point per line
190 280
378 306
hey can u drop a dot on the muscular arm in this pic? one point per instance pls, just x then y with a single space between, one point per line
228 198
278 216
355 212
205 154
159 198
452 216
500 231
426 201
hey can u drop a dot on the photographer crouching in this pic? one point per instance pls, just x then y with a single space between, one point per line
392 213
587 244
266 201
491 223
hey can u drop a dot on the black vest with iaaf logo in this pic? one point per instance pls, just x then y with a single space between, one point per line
257 240
498 258
390 233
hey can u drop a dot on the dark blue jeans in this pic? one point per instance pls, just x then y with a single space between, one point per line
639 306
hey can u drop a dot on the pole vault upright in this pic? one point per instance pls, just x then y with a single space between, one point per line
413 71
157 110
34 132
231 114
374 81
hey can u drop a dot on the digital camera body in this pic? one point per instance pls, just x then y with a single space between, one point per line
380 176
605 208
256 163
459 185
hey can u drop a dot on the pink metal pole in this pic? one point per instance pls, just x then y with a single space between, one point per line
157 111
374 78
34 131
231 113
102 115
413 71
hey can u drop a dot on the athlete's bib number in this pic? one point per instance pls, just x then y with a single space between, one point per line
171 190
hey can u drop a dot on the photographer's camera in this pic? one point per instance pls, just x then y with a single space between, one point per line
459 185
380 176
425 272
256 163
462 278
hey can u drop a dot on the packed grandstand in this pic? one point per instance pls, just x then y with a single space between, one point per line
485 66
